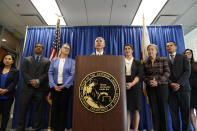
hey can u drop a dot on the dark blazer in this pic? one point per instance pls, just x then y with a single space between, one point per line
11 81
136 70
193 76
30 70
180 71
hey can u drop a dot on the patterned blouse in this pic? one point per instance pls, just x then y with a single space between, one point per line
158 71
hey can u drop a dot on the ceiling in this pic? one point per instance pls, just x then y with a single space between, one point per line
15 15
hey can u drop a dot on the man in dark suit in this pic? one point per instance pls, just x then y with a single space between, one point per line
99 45
35 86
179 95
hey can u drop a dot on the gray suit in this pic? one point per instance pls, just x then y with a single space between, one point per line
32 70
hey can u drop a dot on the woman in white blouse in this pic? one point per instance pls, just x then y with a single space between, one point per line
61 76
134 73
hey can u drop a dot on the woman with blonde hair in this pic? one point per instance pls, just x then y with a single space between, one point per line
156 75
61 77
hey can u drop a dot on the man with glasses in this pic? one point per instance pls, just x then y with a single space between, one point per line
35 86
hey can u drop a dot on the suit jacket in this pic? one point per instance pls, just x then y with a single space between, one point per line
68 72
160 71
180 71
11 81
136 70
30 70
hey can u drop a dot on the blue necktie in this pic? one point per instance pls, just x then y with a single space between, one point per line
37 59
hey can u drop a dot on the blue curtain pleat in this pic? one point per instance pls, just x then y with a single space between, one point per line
82 40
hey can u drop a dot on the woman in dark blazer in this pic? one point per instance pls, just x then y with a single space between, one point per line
134 71
156 76
8 81
193 85
61 77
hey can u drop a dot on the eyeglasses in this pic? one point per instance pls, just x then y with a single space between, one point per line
66 48
38 46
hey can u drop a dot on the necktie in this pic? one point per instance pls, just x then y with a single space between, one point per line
172 58
37 59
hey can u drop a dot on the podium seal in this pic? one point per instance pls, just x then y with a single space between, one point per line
99 92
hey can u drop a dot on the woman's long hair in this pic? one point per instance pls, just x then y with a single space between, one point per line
192 59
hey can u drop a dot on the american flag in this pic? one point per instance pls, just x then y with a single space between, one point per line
55 51
56 42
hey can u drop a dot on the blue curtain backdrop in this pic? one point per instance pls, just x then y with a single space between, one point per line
82 40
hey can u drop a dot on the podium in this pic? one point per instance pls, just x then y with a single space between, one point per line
99 94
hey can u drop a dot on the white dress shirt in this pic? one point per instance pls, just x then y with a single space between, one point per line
174 54
60 71
99 53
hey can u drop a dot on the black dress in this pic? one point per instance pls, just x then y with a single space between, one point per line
193 84
134 97
134 94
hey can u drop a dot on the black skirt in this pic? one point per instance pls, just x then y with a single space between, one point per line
134 97
193 101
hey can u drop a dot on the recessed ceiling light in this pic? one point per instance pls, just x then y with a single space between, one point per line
49 10
150 9
4 40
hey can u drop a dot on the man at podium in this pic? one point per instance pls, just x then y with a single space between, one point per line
99 45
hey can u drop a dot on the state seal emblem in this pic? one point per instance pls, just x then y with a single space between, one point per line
99 92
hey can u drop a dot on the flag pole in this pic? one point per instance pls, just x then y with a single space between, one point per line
58 33
143 52
56 42
49 122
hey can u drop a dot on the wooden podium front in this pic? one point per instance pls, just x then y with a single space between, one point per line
84 119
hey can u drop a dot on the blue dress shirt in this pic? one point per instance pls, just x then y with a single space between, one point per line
3 80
